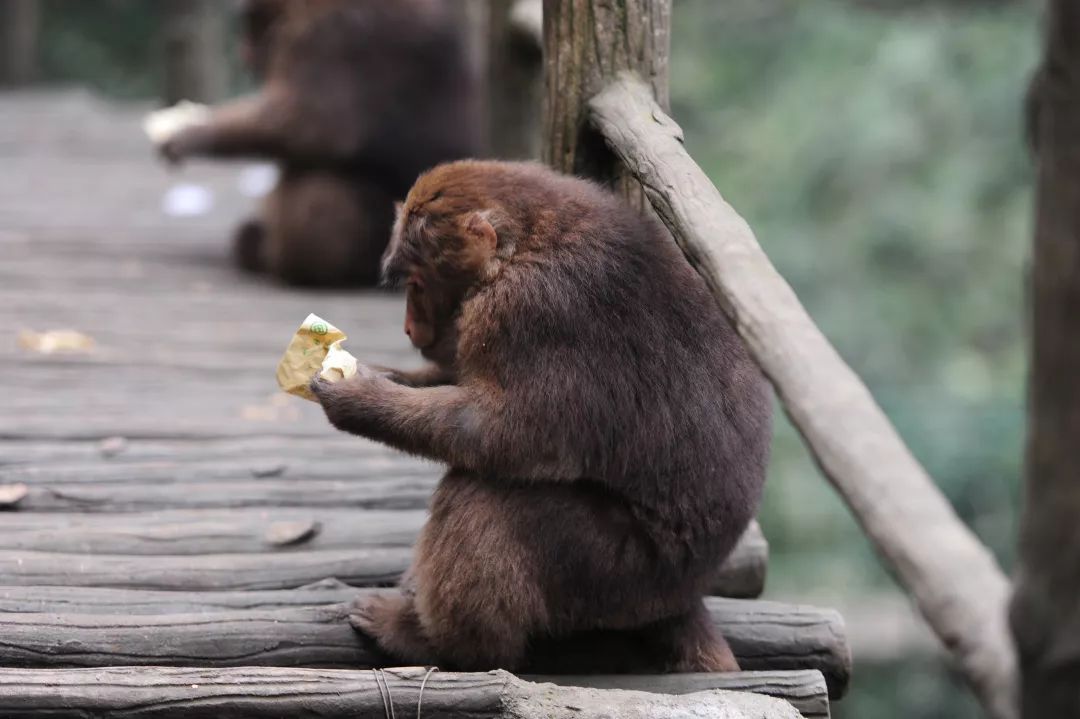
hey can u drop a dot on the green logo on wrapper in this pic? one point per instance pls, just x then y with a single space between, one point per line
319 328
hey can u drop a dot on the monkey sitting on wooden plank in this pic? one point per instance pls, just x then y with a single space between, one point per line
358 97
605 429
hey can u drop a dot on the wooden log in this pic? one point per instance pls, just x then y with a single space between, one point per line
805 690
251 693
954 580
216 531
70 456
171 549
362 567
371 493
348 465
233 628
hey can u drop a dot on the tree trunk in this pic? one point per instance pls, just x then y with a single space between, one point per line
194 45
515 79
586 45
1046 606
19 23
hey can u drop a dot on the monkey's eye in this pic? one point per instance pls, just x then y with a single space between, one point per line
414 285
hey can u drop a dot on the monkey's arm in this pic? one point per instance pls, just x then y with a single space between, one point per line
431 375
268 124
461 426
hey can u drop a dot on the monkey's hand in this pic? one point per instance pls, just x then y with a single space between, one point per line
390 619
344 400
183 144
459 425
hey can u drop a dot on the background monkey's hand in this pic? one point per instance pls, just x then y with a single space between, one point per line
182 144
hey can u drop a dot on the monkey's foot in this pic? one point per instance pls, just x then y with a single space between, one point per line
715 656
390 620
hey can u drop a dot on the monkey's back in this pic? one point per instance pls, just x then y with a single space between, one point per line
394 76
613 350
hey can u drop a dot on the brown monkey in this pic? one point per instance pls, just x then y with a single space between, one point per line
357 98
606 431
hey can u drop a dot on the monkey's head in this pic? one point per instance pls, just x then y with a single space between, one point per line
444 244
265 24
259 20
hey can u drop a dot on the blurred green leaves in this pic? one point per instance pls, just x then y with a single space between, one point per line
879 158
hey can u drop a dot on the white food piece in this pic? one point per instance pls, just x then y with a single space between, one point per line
162 124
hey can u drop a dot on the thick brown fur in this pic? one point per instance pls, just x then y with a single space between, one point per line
358 97
606 431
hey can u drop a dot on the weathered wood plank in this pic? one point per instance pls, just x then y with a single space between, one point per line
251 693
362 567
117 551
211 531
369 493
805 690
231 629
379 464
43 453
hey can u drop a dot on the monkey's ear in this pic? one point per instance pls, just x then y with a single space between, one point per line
481 231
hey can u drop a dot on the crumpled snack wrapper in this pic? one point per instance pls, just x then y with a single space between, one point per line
315 349
160 125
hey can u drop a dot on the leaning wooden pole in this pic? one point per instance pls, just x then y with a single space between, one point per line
1046 609
955 581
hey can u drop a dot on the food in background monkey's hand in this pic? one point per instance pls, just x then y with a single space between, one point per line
161 125
315 349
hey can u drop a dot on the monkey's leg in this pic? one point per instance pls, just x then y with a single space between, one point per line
249 242
390 619
477 595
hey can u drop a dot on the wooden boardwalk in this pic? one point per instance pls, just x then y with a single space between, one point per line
178 509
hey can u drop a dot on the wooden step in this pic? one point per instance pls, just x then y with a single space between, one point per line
83 627
263 546
201 693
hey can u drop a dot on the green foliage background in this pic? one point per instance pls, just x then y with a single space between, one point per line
876 148
879 157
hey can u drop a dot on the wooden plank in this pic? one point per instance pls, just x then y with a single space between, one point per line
369 493
210 531
307 631
144 551
44 453
255 693
363 566
354 467
805 690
